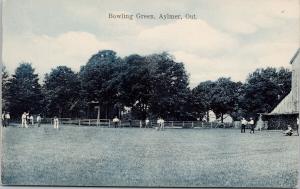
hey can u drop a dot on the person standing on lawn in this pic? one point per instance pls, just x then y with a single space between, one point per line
3 119
147 123
24 120
251 123
160 123
7 118
116 121
39 120
297 126
243 127
31 120
56 123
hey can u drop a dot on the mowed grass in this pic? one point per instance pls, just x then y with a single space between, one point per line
90 156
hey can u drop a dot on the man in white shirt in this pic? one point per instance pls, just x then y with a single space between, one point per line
38 120
251 123
24 120
31 120
116 121
56 123
147 123
7 118
243 127
160 123
298 125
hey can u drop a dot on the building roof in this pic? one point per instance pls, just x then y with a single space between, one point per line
290 104
295 56
275 114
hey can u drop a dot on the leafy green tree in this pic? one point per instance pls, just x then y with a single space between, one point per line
100 79
170 91
136 85
224 97
202 101
264 89
5 85
24 91
61 89
155 85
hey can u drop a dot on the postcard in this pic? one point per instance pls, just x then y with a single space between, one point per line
108 93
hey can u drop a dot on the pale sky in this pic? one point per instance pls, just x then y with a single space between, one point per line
230 38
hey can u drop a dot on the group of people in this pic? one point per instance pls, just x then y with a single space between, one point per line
29 119
5 119
160 122
244 123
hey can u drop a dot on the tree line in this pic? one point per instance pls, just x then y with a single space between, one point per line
136 87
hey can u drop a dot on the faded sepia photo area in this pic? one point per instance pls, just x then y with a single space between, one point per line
110 93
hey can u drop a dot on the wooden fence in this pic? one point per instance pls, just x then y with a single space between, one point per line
138 123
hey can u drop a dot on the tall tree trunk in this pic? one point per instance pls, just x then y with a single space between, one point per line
60 111
207 116
222 117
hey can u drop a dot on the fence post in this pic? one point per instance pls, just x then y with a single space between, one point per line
172 123
182 124
78 122
192 124
140 124
210 124
89 122
109 123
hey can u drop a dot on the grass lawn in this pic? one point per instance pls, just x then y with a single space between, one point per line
90 156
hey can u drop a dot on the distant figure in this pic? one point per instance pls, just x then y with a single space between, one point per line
259 123
116 121
39 120
252 126
297 126
56 123
31 120
160 123
147 123
243 127
289 131
27 119
7 119
130 122
24 120
3 119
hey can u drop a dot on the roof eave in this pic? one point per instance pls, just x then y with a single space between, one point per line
294 57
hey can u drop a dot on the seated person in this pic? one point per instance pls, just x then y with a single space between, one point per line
289 131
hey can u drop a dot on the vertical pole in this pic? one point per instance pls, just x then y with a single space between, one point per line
210 124
78 122
89 122
109 123
172 123
182 124
98 116
192 124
